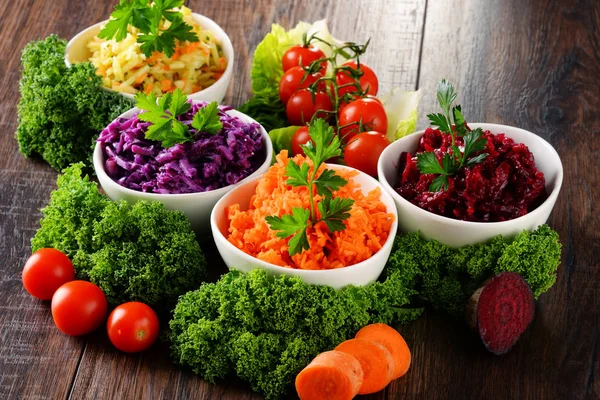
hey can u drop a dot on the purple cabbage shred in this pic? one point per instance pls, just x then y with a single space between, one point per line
208 162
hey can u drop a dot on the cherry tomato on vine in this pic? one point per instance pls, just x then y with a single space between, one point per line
132 327
364 150
368 81
291 82
78 308
45 271
367 111
300 107
301 136
302 55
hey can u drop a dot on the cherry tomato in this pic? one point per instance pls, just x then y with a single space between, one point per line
291 82
78 308
132 327
368 81
367 111
45 271
302 55
301 136
301 108
364 150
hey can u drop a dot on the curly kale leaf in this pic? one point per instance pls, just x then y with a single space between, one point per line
140 252
62 109
265 329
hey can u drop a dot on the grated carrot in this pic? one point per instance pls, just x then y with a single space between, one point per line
367 228
165 85
148 88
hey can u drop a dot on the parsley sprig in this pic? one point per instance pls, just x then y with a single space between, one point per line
162 114
147 16
428 163
333 211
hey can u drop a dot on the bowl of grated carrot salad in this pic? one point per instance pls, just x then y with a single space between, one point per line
356 255
202 70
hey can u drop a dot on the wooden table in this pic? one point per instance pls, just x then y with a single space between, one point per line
534 64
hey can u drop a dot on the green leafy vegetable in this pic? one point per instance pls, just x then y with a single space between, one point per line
265 329
62 110
446 277
207 119
163 114
140 252
147 16
428 163
333 212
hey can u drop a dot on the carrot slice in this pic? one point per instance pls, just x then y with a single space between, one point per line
376 362
332 375
389 338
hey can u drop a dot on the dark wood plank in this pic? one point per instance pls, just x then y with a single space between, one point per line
395 29
534 65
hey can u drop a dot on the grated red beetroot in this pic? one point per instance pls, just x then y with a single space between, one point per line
506 185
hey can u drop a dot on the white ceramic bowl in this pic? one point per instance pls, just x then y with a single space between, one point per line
196 206
460 233
359 274
77 51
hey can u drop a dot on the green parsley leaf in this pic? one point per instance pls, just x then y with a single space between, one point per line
439 121
297 175
328 182
335 211
429 164
165 127
476 160
460 126
207 119
446 95
294 224
474 142
147 18
439 182
326 143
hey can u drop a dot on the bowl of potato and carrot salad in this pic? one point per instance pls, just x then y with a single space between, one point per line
201 69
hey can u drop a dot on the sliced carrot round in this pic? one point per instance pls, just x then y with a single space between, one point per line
389 338
376 362
331 375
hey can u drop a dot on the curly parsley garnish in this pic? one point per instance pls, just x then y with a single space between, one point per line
428 163
162 114
333 211
146 16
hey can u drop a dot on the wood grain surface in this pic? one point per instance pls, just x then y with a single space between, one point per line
533 64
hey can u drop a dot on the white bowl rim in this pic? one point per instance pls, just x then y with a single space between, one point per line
391 236
226 42
98 161
457 222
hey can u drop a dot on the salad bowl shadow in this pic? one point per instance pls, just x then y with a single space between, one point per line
456 233
196 206
359 274
77 51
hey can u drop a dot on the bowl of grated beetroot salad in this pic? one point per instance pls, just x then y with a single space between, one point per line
513 189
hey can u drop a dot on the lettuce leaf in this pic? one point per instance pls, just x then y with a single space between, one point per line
282 138
401 109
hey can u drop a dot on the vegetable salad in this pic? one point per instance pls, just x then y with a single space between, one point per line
193 66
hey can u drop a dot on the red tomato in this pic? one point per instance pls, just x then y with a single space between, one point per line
368 111
132 327
78 308
301 136
302 55
291 82
368 81
301 108
45 271
364 150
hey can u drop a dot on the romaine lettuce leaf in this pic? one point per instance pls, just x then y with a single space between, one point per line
282 138
401 109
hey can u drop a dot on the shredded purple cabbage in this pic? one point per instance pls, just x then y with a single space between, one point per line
208 162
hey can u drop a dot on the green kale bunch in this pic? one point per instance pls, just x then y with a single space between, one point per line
140 252
62 109
266 328
447 277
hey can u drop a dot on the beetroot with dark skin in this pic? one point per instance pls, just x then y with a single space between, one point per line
501 310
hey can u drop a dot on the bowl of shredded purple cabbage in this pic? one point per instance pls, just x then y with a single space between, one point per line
190 176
